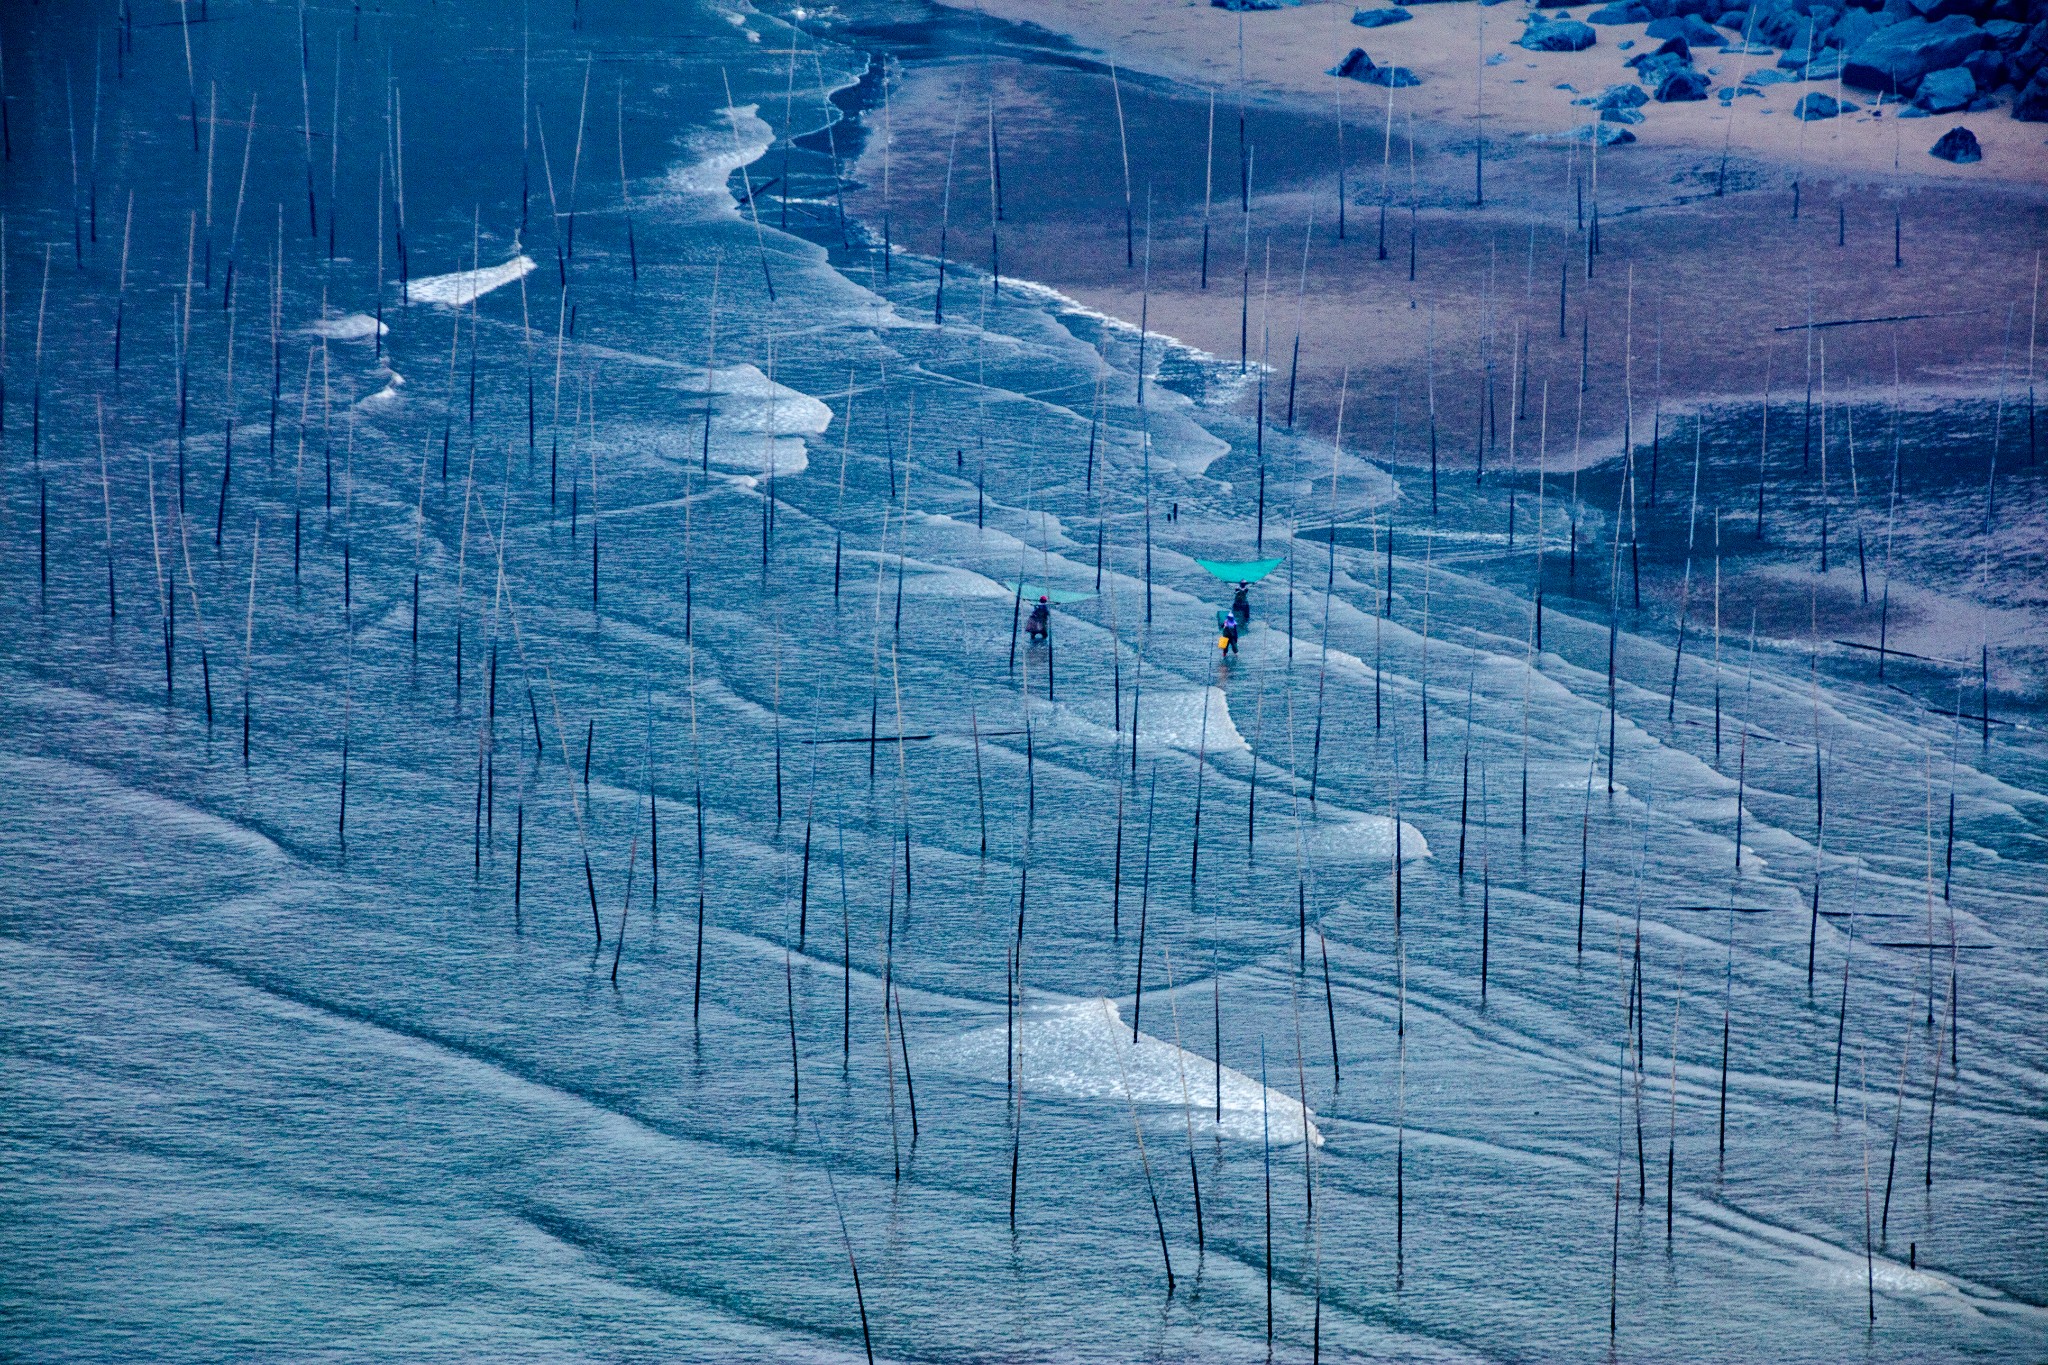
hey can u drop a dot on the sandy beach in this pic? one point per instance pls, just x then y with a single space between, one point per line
1468 60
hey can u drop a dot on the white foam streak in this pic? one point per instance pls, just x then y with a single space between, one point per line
717 153
1083 1050
464 286
1176 720
348 327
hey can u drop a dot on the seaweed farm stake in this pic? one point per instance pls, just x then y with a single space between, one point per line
619 939
789 998
1209 189
1671 1142
1485 888
1123 142
909 1086
1898 1115
1187 1104
846 1240
1138 1132
1144 901
1727 1012
1266 1148
249 630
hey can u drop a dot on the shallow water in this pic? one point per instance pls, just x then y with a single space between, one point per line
277 1091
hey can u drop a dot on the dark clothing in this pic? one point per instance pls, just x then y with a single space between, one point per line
1040 619
1241 607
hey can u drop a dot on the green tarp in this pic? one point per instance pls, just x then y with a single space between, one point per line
1249 572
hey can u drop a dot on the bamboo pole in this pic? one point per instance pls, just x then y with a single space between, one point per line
106 502
1145 1162
846 1239
1144 903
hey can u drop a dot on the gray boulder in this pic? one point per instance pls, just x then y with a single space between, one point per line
1987 68
1620 12
2031 56
1959 145
1558 35
2005 34
1735 20
1682 85
1778 23
1693 30
1814 107
1652 69
1619 97
2032 105
1854 29
1380 18
1944 92
1898 58
1356 66
1942 9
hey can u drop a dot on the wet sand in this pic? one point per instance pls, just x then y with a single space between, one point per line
1437 320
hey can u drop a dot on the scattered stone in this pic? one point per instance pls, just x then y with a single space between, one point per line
1814 106
1610 135
1620 12
1682 85
1898 58
1768 76
1246 6
1380 18
1735 20
1616 97
1356 66
1558 35
1959 145
1621 116
1653 67
1944 92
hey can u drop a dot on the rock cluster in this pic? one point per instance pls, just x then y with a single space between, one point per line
1937 56
1918 58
